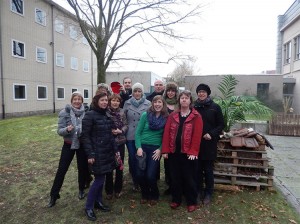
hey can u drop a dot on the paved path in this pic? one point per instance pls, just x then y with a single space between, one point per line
286 160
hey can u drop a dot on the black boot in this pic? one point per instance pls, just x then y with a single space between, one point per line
90 214
53 200
81 194
101 207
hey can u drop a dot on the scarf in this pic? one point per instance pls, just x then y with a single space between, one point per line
76 119
116 117
171 101
202 103
136 102
156 123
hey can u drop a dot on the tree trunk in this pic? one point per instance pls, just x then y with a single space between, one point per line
101 69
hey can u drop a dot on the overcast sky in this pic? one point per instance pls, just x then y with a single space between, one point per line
236 37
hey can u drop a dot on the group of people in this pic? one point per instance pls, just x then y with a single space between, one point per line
166 124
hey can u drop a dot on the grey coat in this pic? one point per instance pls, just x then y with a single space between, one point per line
64 119
133 115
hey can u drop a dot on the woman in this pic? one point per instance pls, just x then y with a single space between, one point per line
148 138
213 124
70 127
98 142
120 121
181 143
133 108
170 96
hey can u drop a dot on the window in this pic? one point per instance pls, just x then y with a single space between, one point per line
287 52
42 93
19 92
41 55
59 26
74 63
18 49
85 93
74 90
40 17
60 60
263 91
297 47
60 93
84 41
73 32
17 6
85 66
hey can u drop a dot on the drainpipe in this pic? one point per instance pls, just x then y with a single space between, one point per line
1 72
53 58
92 73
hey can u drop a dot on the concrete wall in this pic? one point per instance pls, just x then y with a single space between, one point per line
247 84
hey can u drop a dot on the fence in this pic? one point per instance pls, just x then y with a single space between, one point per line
285 124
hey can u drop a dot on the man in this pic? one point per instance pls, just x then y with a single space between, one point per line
158 90
125 90
213 124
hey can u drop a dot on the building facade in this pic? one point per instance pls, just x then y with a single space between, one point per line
267 87
288 54
43 58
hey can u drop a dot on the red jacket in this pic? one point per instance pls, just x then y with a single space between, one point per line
191 133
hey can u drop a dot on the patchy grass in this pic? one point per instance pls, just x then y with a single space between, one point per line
30 150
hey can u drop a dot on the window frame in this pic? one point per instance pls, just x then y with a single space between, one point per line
44 17
72 30
58 23
287 52
64 92
25 91
63 57
297 48
12 48
74 59
73 90
84 41
88 95
37 92
36 55
88 66
23 7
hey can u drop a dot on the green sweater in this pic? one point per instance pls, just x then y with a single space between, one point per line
143 135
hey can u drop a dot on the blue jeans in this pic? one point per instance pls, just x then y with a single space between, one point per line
95 192
132 160
147 178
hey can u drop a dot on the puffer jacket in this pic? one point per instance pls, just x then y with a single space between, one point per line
191 133
98 141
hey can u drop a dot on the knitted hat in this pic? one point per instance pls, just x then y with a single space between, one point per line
76 93
171 86
203 87
138 86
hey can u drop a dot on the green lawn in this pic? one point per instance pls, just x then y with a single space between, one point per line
29 154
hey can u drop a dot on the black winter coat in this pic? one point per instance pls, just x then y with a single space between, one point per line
213 124
98 141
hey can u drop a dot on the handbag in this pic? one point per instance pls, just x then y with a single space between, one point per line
120 139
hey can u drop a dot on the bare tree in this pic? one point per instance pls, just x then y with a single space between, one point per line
108 25
185 68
